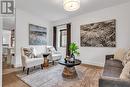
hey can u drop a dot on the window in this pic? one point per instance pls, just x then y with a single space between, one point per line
63 37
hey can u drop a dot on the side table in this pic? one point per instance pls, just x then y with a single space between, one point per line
46 61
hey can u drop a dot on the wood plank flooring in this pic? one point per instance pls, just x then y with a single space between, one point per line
10 79
91 79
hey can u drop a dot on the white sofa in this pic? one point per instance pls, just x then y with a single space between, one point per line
39 50
54 55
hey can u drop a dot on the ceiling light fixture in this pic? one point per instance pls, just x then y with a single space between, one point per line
71 5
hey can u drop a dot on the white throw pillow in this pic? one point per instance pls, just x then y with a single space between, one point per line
119 54
52 50
126 72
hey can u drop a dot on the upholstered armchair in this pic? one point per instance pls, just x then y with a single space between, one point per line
28 62
54 55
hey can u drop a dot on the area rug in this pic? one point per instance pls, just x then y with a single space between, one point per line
52 77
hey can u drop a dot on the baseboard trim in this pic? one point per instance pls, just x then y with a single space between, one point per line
17 66
92 65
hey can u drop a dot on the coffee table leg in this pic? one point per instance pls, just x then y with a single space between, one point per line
69 72
46 62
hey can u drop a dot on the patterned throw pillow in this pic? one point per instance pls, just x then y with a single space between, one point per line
126 58
126 72
28 52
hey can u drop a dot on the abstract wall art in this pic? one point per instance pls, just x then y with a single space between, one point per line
37 35
100 34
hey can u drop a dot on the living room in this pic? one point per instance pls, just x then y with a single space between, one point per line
83 28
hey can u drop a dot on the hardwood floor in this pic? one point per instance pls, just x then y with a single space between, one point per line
92 75
10 79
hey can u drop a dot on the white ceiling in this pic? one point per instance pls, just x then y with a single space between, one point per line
53 9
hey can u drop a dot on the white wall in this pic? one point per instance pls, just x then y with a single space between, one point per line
96 55
23 19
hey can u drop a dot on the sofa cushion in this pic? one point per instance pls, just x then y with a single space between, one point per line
112 71
34 62
114 63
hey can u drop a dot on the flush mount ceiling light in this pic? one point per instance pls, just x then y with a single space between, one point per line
71 5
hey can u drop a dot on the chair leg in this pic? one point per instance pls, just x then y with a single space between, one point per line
27 71
53 62
23 69
41 66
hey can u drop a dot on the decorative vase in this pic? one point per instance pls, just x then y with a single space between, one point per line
65 60
72 56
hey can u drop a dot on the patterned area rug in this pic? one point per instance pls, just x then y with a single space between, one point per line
52 77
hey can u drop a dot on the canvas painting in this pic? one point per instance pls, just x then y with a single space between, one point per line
37 35
101 34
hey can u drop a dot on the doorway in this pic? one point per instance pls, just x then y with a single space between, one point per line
62 38
8 44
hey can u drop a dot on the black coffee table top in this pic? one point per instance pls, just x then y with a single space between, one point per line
77 62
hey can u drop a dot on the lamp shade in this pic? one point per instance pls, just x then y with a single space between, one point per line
71 5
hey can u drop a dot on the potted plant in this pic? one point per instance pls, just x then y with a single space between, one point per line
73 48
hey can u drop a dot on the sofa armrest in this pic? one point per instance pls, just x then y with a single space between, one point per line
113 82
111 56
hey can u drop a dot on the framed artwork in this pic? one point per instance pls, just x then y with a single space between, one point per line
100 34
37 35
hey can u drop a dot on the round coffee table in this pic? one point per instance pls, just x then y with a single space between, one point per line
69 69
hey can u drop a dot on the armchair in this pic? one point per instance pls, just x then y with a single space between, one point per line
28 62
54 55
